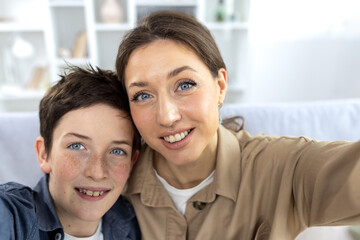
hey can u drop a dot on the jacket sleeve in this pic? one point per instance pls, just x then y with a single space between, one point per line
326 183
6 219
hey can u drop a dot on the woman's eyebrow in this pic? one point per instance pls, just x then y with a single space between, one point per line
171 74
178 70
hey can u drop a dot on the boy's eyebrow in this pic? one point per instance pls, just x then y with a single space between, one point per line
76 135
171 74
87 138
123 142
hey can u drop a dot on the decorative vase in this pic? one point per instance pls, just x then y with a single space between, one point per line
111 12
220 12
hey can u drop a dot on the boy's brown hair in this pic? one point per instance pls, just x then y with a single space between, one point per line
79 88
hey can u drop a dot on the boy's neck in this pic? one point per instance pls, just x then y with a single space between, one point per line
79 228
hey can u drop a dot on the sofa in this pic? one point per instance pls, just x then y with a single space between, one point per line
322 120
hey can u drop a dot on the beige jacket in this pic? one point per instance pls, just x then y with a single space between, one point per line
264 188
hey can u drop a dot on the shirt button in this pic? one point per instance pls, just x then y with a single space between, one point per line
199 205
58 236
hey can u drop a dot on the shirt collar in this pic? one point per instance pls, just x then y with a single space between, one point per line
45 211
226 181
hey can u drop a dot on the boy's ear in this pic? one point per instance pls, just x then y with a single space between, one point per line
134 157
42 155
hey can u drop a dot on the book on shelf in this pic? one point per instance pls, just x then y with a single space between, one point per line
80 46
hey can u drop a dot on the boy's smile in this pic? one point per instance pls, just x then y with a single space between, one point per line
89 163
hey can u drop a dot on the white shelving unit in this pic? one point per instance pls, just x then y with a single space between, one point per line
54 27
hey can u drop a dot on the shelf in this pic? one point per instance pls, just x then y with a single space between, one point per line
167 3
14 93
61 62
20 100
66 3
57 24
227 26
113 26
20 27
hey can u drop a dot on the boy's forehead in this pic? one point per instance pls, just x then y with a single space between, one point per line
97 115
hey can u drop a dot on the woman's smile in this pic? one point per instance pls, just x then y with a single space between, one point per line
176 137
177 141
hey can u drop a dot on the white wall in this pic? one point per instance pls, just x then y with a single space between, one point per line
303 50
307 69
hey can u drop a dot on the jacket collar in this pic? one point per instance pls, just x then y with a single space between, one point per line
226 180
143 180
228 167
121 212
45 211
118 219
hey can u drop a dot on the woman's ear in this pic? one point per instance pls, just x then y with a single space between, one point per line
42 155
222 83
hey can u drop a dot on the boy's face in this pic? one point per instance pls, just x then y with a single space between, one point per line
89 163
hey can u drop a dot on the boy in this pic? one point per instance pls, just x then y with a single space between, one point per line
87 148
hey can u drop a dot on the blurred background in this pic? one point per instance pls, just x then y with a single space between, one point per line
275 51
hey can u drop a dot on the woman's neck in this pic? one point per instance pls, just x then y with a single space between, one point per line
191 174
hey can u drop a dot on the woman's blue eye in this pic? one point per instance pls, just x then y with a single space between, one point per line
140 97
117 151
144 96
186 85
76 146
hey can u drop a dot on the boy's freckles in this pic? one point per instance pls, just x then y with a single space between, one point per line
71 161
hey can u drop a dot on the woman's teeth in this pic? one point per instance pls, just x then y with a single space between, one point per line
177 137
91 193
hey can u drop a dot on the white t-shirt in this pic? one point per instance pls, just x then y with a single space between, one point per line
98 235
181 196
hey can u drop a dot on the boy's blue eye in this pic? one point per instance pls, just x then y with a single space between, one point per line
76 146
118 151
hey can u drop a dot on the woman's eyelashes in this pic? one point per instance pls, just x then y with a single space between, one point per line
140 96
185 85
182 85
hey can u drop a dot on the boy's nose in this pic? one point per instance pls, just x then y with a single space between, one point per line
96 168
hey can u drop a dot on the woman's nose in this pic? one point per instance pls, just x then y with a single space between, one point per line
96 167
168 112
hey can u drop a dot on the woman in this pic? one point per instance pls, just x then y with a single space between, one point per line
198 180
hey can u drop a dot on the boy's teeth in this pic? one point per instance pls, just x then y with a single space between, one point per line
91 193
177 137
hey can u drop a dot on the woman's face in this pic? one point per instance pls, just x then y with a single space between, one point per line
174 99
